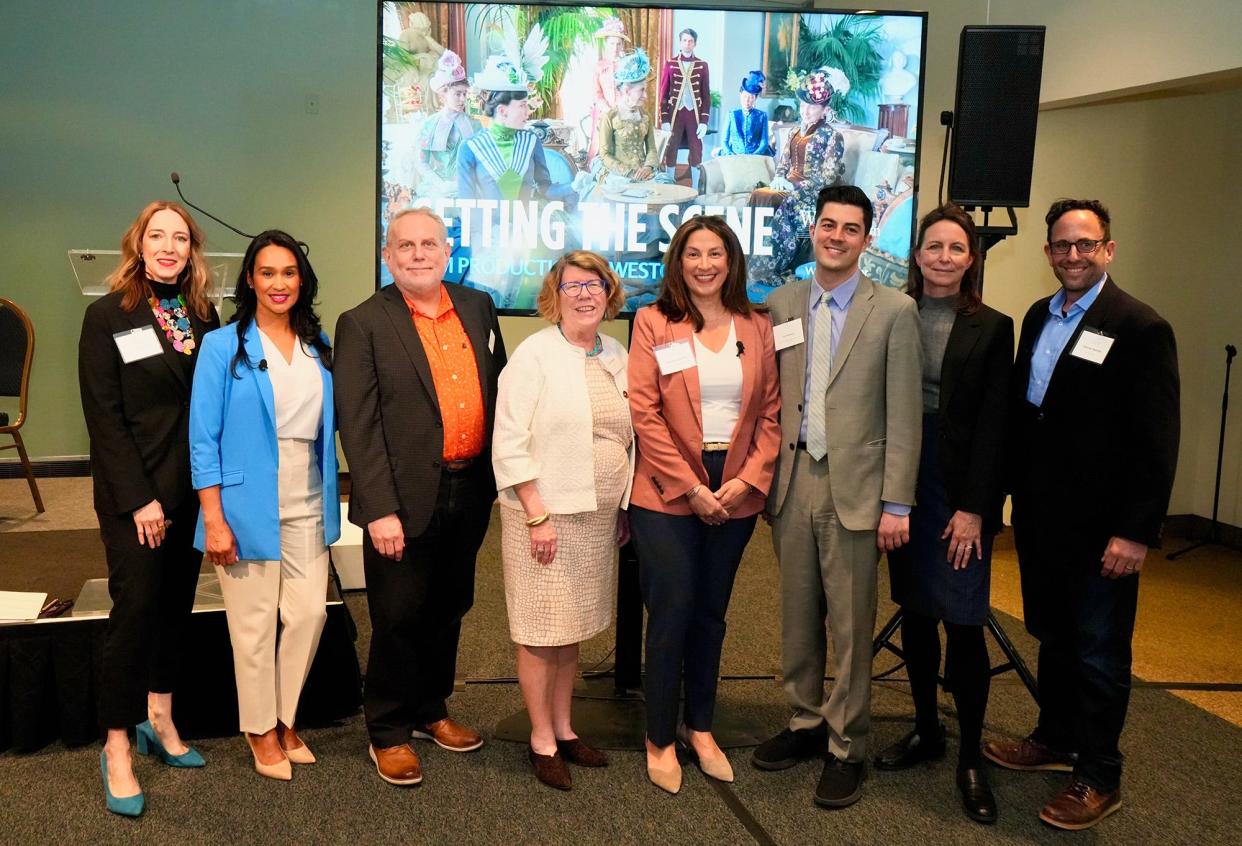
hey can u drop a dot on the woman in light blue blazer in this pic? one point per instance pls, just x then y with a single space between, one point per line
263 458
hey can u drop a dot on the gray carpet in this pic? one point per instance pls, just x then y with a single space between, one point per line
1181 761
1181 782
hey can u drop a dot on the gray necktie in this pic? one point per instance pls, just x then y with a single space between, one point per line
821 367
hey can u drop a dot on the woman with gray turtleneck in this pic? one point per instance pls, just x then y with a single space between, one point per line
943 573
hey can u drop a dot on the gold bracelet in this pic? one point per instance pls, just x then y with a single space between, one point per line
694 490
536 521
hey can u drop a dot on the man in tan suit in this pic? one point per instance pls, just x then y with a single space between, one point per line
850 363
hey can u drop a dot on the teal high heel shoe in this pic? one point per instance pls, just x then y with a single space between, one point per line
127 806
149 744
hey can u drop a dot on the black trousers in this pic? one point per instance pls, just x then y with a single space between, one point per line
1084 624
152 594
686 571
417 605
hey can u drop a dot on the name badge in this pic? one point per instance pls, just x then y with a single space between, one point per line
137 344
491 341
1092 346
788 334
674 357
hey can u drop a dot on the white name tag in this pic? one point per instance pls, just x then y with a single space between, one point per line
137 344
788 334
1092 346
491 341
674 357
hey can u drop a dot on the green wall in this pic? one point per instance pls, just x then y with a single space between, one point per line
100 101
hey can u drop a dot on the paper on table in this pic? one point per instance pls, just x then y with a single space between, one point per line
20 605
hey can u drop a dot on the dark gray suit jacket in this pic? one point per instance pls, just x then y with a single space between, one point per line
386 405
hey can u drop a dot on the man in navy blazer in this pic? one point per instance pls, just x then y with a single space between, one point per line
1093 450
416 369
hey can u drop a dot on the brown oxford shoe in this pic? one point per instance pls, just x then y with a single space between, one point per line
1028 754
397 764
449 735
1080 806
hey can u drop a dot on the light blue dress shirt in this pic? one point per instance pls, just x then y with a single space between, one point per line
839 300
1059 327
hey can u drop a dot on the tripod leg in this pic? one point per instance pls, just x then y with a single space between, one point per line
884 639
1015 660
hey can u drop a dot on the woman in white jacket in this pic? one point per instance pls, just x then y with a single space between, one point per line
563 452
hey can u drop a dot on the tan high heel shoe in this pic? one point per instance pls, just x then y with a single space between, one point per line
666 778
281 770
299 754
717 767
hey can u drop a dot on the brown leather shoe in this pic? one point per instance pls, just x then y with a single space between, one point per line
397 764
1028 754
550 769
449 735
576 752
1080 806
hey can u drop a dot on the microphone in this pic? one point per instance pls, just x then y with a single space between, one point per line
263 364
741 348
176 181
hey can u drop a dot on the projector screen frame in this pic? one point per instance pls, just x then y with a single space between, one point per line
725 91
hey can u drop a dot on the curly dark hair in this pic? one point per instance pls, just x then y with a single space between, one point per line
1068 204
302 316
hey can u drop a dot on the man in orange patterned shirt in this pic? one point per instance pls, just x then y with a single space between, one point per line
416 368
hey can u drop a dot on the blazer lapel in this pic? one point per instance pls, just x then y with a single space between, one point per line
1096 317
399 313
683 331
860 310
962 339
145 316
254 350
799 294
744 327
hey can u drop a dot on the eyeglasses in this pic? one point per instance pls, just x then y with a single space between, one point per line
574 289
1085 246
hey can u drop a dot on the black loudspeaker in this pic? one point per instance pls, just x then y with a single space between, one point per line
998 74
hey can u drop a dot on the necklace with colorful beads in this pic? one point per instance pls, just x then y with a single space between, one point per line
174 318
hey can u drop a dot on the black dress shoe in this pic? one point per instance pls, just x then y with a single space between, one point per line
840 783
977 798
912 749
789 747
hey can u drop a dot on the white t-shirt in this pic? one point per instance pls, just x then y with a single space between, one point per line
720 388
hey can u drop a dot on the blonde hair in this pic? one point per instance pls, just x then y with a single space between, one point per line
130 275
549 301
421 211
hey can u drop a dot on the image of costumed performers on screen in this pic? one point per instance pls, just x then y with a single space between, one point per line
746 132
628 151
685 104
441 134
613 43
506 162
811 159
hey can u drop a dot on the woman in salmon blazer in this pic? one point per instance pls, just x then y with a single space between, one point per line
704 402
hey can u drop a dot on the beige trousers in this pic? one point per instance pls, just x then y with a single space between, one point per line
271 669
828 573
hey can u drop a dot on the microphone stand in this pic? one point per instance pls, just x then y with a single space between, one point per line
1213 536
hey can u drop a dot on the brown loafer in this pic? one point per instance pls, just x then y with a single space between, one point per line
449 735
576 752
1080 806
397 764
550 769
1028 754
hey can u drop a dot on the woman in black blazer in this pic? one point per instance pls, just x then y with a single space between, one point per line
136 361
943 573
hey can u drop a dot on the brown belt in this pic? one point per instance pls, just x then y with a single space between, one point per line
458 464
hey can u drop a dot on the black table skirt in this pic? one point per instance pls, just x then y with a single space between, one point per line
49 680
